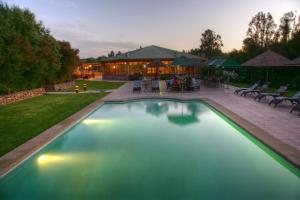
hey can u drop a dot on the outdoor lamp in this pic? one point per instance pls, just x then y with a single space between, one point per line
77 88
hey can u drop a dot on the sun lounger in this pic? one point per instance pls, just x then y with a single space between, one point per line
279 92
261 89
155 86
293 100
296 108
253 87
137 86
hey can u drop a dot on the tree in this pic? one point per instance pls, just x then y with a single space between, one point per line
261 29
195 52
286 26
297 27
30 56
251 48
211 44
237 55
90 60
111 54
119 53
69 61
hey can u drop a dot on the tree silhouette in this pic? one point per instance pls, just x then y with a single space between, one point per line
286 26
111 54
261 29
211 44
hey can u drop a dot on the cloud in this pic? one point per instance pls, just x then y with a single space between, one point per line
87 41
97 48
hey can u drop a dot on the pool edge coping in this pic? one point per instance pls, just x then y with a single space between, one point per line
14 158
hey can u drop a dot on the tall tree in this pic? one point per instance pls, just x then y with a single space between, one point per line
297 26
261 29
69 60
30 56
211 44
119 53
286 26
111 54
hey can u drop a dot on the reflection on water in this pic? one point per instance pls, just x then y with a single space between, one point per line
178 113
157 108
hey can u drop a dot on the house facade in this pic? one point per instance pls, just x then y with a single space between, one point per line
148 61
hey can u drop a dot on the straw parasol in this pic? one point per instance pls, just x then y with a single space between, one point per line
295 62
267 59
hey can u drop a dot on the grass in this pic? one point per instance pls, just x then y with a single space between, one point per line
98 85
25 119
290 92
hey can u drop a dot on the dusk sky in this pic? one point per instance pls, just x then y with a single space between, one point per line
98 26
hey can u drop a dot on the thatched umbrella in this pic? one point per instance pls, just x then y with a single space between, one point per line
268 59
295 62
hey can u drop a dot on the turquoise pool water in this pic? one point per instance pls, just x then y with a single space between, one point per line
153 149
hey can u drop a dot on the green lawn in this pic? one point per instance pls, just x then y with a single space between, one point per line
25 119
98 85
271 89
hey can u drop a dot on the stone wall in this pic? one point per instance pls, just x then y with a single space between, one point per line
18 96
60 86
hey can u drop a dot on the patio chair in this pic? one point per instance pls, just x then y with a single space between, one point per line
195 84
261 89
296 108
169 84
279 92
293 100
137 86
253 87
155 86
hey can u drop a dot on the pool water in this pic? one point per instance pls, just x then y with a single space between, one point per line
153 149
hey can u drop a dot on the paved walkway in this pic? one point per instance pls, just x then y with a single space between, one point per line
278 122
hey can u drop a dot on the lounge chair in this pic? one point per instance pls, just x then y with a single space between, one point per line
253 87
155 86
293 100
137 86
296 108
279 92
257 91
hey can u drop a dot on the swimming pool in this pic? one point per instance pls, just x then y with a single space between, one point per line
153 149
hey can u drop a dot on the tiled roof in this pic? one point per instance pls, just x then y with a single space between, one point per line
151 52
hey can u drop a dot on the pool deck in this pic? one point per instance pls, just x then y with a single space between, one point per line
276 127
